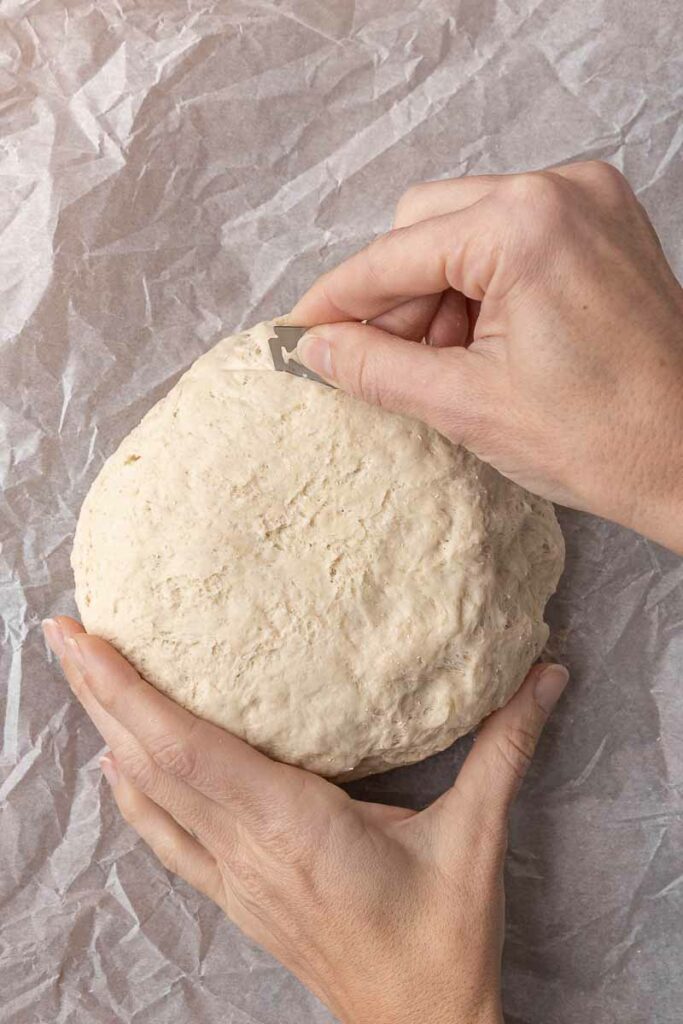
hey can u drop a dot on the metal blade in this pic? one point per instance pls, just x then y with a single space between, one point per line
281 348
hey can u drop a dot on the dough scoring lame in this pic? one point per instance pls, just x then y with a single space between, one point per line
342 587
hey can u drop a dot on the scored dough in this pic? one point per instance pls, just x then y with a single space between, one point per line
342 587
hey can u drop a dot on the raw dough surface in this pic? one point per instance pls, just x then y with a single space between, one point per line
341 587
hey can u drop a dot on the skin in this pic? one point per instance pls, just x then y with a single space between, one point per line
556 336
388 915
554 351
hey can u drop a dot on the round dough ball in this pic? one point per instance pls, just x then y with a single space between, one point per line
342 587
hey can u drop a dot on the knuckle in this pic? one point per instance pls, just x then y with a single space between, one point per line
130 808
108 699
176 756
291 834
167 851
376 258
78 686
516 748
250 886
326 285
605 175
244 870
254 894
538 194
137 768
366 385
538 207
409 204
279 836
473 263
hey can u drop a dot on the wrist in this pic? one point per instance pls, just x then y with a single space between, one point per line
425 1016
661 520
653 505
428 1009
641 486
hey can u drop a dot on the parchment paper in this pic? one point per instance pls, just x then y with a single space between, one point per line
171 170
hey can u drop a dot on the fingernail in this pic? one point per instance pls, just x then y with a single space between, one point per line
74 652
314 352
110 771
54 637
549 686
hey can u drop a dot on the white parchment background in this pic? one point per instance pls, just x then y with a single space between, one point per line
173 169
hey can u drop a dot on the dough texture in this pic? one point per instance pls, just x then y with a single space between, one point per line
342 587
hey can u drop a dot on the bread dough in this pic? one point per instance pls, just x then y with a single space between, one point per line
342 587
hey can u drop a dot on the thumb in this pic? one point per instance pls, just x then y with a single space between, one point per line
439 386
493 771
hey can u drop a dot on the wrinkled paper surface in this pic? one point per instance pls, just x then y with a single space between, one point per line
172 170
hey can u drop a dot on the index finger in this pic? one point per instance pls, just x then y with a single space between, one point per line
420 259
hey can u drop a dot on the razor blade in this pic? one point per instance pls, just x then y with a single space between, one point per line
282 349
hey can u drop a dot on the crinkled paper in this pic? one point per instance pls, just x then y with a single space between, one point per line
171 170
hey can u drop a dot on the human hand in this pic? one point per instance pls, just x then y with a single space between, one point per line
388 915
555 330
